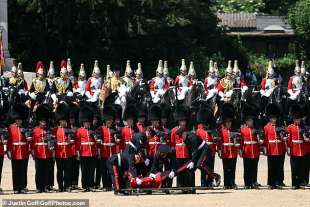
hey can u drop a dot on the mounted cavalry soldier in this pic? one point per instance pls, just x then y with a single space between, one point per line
93 84
62 86
115 81
295 83
226 84
239 82
211 81
158 85
39 89
127 79
51 74
17 83
192 75
269 83
79 86
139 76
70 71
182 82
166 73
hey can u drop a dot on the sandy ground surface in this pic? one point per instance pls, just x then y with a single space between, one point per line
220 197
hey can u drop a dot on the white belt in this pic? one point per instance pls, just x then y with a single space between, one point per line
87 143
201 145
127 142
275 141
155 142
250 142
109 144
19 143
180 144
41 144
62 143
209 143
228 144
298 141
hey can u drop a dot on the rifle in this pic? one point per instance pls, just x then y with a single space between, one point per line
27 132
50 140
4 135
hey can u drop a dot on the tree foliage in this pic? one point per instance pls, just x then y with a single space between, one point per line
113 31
239 5
300 20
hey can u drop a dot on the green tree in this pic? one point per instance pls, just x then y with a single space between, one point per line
278 7
300 20
239 5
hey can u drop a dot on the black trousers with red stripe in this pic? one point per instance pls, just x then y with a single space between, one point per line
43 173
250 171
275 170
117 177
64 172
229 168
75 171
207 181
307 169
105 173
19 174
88 165
185 178
297 169
1 165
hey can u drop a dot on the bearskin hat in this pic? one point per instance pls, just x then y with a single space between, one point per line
204 116
181 113
43 113
142 110
118 110
86 114
73 111
165 111
228 112
154 113
130 112
19 111
62 112
248 112
108 112
272 110
296 112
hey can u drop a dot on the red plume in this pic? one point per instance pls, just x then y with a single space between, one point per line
40 65
63 64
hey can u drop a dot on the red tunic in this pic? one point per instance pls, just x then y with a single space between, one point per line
85 143
153 87
208 138
38 145
295 141
140 127
126 136
273 141
177 142
249 143
228 148
63 147
17 143
154 142
108 146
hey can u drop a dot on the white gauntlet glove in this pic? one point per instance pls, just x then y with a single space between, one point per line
147 162
138 181
171 175
190 165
